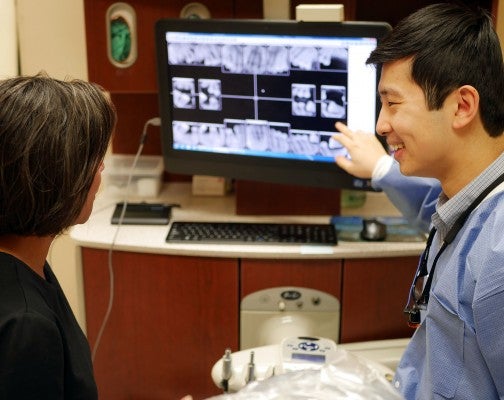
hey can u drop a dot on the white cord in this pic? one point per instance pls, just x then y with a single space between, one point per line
153 122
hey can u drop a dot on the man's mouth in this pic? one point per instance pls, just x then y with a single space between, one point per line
396 147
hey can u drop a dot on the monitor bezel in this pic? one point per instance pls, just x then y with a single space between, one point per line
243 167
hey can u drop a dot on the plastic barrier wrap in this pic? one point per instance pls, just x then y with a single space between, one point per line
344 376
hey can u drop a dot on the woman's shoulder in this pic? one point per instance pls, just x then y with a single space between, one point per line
23 294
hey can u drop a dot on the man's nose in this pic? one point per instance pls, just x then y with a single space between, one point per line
383 127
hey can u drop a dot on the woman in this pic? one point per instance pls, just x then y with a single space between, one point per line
53 138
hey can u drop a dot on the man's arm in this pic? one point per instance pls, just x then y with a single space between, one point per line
414 197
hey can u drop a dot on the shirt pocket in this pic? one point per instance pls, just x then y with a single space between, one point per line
445 338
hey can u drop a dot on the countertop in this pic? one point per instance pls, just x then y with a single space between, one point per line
99 233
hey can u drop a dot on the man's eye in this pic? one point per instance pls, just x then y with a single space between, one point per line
388 103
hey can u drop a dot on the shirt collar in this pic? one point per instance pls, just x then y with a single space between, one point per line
448 210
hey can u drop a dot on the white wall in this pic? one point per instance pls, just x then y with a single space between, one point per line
52 38
8 39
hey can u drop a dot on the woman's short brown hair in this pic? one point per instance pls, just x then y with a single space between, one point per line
53 137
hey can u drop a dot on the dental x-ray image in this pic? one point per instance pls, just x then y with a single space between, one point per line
239 101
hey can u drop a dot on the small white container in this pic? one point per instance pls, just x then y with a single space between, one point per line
146 177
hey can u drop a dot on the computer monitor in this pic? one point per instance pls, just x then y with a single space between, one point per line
258 99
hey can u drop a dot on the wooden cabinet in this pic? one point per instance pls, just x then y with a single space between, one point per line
372 292
172 317
257 274
373 298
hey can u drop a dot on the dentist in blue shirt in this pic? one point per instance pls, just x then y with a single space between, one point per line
441 88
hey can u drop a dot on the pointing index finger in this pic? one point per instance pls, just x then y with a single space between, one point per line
341 127
343 137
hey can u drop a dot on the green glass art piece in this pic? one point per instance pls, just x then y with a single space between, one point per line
120 39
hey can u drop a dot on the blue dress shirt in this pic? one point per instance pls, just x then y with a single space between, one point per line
458 350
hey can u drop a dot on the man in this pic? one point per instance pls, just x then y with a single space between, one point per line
441 89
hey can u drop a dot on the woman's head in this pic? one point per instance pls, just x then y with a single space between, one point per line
53 138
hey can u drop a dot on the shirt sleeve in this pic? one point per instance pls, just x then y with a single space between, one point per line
31 358
414 197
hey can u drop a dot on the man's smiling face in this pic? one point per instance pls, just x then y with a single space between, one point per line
420 138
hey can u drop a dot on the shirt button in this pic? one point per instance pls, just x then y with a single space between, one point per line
397 384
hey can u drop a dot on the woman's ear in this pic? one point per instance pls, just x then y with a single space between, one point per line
467 98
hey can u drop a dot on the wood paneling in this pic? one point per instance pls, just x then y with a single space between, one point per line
134 109
375 292
141 76
135 87
171 320
260 198
324 275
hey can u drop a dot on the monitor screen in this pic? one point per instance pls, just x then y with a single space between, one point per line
258 99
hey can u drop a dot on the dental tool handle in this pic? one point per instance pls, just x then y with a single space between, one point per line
251 369
227 372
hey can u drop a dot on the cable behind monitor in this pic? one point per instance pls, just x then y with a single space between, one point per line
150 122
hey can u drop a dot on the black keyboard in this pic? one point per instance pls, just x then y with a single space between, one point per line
251 233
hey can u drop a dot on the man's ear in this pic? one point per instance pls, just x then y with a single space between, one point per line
467 98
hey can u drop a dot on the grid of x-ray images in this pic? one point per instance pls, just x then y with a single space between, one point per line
278 137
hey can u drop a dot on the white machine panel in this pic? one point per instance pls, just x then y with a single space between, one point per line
270 315
305 352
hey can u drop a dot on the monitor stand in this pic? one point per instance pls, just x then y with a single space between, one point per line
259 198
